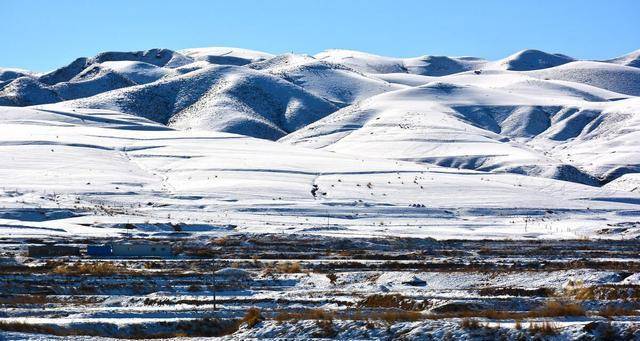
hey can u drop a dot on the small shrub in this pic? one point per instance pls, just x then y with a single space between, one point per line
391 301
98 269
555 308
289 267
611 311
220 241
332 278
468 323
252 317
518 325
545 328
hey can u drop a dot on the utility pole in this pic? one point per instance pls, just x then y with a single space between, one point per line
214 286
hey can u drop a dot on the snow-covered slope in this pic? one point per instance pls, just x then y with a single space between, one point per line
9 74
502 128
527 60
66 171
86 77
622 79
25 91
630 59
425 65
628 182
226 55
221 98
157 57
334 82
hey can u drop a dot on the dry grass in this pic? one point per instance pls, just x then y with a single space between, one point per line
18 300
97 269
288 267
24 299
220 241
201 327
252 317
308 314
545 328
550 309
579 291
332 278
611 311
556 308
327 329
540 292
391 301
391 316
469 323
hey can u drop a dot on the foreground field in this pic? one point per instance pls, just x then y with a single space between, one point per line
273 285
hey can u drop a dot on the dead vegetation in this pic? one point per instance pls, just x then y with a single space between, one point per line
579 291
20 300
288 267
558 308
519 292
545 328
332 278
96 269
611 311
390 316
252 317
470 323
391 301
204 327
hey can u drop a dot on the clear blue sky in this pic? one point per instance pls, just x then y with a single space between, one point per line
44 34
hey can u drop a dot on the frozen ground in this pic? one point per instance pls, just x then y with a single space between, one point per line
319 287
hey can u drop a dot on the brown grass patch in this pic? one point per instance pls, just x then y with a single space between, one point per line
556 308
545 328
391 301
603 292
96 269
469 323
520 292
252 317
611 311
288 267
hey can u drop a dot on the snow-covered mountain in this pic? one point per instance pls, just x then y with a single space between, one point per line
630 59
220 98
532 113
490 129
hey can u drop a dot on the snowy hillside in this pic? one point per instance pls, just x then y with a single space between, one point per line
425 65
524 126
128 169
630 59
530 106
220 98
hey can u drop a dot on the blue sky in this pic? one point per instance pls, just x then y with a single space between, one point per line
42 34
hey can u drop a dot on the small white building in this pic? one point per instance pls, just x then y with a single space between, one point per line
141 250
